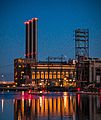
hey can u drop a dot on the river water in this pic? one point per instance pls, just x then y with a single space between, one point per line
52 106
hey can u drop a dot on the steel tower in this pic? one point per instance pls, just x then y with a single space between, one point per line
81 43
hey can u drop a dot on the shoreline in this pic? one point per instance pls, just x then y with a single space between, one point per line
45 92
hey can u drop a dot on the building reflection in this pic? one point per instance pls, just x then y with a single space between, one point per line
45 107
71 107
88 107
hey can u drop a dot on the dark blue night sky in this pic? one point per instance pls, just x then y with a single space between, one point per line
57 20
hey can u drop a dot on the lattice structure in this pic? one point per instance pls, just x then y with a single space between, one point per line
81 43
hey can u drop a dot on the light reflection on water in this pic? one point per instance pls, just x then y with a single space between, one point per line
54 106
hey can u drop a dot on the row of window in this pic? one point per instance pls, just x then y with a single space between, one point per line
51 75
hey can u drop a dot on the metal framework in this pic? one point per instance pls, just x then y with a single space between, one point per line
81 43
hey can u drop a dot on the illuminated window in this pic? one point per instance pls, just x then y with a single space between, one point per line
58 75
46 75
67 74
71 73
15 73
23 66
63 74
19 60
38 75
42 75
50 75
54 75
19 66
22 72
33 75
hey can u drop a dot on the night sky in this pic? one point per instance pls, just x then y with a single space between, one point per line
57 20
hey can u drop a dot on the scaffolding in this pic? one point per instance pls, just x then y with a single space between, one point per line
81 43
81 54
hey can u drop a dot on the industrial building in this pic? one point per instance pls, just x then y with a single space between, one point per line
89 70
56 70
27 71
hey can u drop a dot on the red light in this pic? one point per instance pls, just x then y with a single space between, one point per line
32 53
43 90
100 98
30 21
78 96
28 54
43 97
26 22
78 89
34 18
100 90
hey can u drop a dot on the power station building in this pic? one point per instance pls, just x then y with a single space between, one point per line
30 70
27 71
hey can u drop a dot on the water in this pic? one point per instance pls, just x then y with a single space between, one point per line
52 106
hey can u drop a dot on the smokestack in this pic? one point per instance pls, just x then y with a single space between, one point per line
31 39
